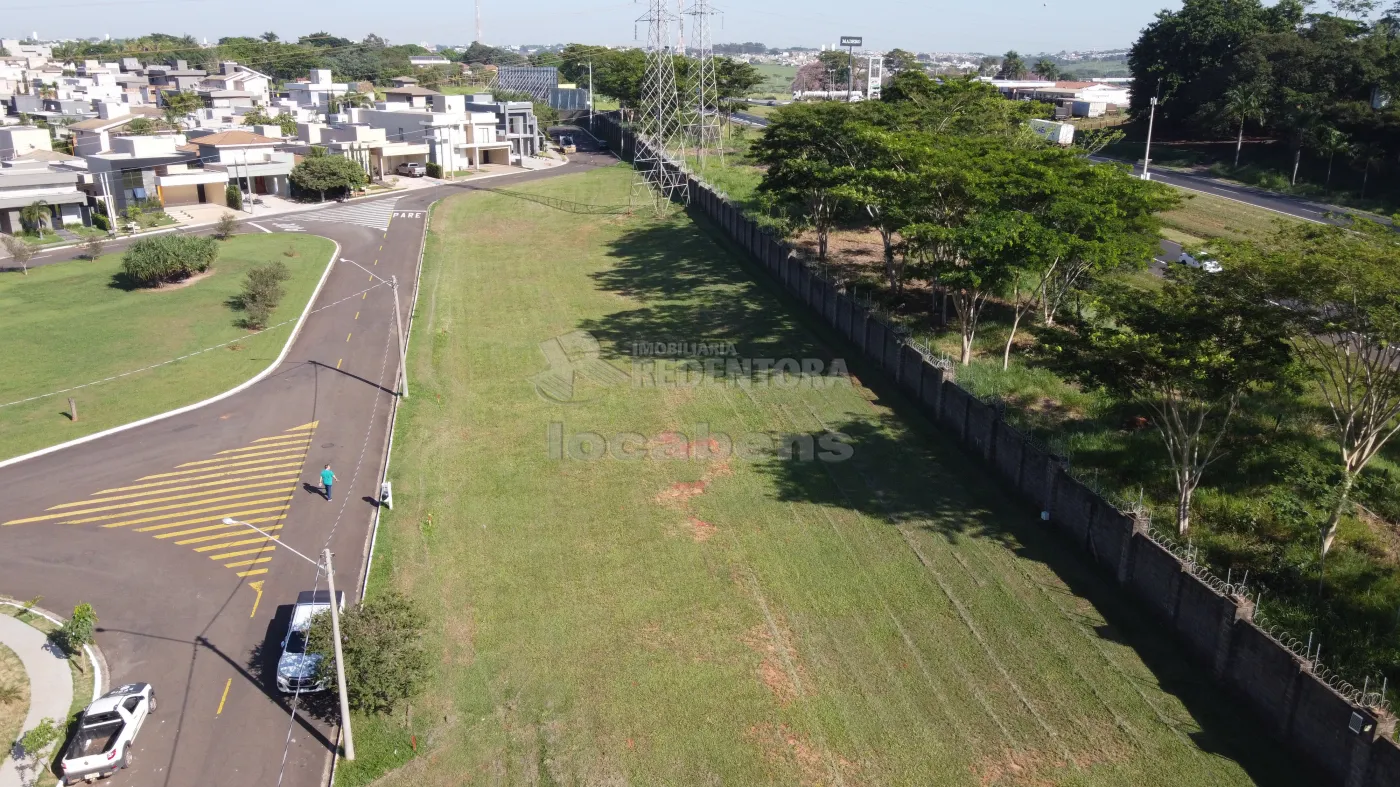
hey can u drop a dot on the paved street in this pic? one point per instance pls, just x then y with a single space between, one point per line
132 523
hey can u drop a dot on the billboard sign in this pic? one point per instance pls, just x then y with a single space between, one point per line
852 41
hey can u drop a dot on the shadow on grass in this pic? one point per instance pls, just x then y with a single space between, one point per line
904 471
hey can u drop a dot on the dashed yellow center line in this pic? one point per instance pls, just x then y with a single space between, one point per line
366 295
347 336
230 545
242 563
381 247
220 536
224 698
242 552
339 362
232 475
357 315
371 277
291 474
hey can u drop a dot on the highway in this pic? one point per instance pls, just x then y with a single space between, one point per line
133 522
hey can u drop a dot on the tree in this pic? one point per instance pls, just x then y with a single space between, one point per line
900 61
141 127
151 262
77 630
19 250
1329 142
1335 291
1046 69
988 66
93 245
226 226
804 149
179 105
262 291
1244 102
35 216
270 37
382 640
1366 156
328 173
1188 353
1012 66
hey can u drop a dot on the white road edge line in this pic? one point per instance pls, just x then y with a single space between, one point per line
1242 202
296 330
259 226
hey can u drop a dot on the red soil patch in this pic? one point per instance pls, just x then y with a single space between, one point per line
780 744
700 530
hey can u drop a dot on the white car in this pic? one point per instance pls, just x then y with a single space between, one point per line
296 669
1204 263
413 169
107 732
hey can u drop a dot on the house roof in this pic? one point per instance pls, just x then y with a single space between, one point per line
188 147
234 137
45 155
1076 85
102 124
410 90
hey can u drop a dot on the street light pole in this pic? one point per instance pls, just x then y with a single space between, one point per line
335 630
403 341
1147 154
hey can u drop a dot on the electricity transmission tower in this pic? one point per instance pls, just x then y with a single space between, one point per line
660 154
707 130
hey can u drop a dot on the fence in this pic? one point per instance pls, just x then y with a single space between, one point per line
1346 734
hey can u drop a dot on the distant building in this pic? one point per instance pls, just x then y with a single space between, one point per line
535 81
427 61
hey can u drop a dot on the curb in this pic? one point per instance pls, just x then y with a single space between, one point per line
259 377
101 676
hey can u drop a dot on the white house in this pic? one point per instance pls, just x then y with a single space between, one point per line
16 141
236 85
95 135
316 91
23 183
248 159
434 128
128 170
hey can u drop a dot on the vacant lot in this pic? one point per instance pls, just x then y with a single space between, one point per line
71 323
777 81
888 619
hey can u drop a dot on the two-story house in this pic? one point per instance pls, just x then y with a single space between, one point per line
246 158
22 183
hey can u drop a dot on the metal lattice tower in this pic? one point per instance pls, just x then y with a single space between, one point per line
706 129
660 155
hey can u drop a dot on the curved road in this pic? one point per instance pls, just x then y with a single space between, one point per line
132 522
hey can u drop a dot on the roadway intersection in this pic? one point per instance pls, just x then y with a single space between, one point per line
132 522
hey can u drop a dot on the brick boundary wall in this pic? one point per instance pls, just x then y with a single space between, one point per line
1348 743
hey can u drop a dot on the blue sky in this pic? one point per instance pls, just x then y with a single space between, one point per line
949 25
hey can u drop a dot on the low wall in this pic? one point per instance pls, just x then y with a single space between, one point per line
1347 743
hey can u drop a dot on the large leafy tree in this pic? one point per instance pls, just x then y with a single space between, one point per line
1012 66
1189 353
807 150
382 640
327 173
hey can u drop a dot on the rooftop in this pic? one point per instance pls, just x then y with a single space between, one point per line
410 90
234 137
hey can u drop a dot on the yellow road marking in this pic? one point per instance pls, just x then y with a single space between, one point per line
280 453
218 536
357 315
204 477
287 442
371 277
242 552
248 467
366 295
224 698
291 474
242 563
339 362
219 510
347 337
252 573
303 427
173 506
233 544
218 519
190 497
258 587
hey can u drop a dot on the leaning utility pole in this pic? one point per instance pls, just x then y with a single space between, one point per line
339 659
403 340
659 156
708 138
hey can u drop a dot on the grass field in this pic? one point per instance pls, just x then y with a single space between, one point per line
1205 216
777 81
14 696
68 324
890 619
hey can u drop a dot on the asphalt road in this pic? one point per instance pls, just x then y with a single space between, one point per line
132 523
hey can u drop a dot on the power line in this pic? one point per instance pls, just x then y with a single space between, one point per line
659 154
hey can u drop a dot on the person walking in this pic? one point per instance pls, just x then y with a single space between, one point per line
327 478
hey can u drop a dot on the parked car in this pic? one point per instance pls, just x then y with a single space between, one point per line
296 669
413 169
566 144
1203 262
106 733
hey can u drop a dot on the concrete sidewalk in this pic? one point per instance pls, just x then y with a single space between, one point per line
50 690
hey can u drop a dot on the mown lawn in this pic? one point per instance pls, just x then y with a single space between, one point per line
70 323
890 619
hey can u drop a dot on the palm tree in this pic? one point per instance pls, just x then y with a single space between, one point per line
1329 141
1047 69
1366 156
34 216
1244 102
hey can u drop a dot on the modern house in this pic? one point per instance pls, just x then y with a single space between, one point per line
16 141
129 171
316 91
251 160
515 123
95 135
426 126
234 86
22 183
175 78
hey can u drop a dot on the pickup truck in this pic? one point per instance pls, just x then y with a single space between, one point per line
106 733
296 669
566 144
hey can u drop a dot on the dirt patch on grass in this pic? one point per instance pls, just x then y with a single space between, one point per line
780 668
1385 536
814 765
180 285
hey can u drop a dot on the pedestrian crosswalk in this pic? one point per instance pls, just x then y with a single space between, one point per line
188 506
374 214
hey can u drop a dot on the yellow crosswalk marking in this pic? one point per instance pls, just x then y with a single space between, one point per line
220 526
242 563
252 573
242 552
289 442
190 500
218 536
282 453
186 487
303 427
256 464
232 544
226 474
222 511
219 518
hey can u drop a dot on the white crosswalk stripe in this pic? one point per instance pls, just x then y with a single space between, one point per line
289 227
367 214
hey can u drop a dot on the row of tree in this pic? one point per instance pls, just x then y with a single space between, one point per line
1318 81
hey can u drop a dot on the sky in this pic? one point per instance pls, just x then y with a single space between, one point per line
1028 26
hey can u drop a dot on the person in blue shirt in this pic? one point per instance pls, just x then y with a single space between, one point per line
327 478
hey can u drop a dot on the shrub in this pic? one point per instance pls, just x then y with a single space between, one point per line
19 250
382 639
41 737
93 245
77 630
226 226
434 170
234 196
99 219
151 262
262 291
